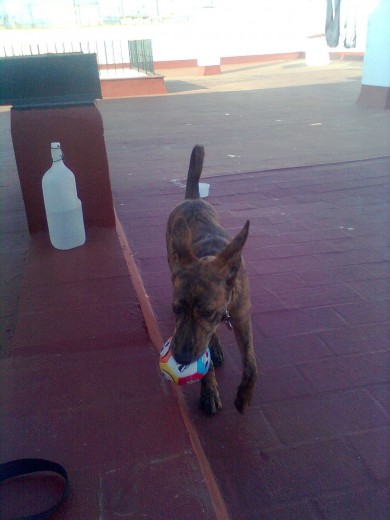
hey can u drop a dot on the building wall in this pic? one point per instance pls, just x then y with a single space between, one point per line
231 28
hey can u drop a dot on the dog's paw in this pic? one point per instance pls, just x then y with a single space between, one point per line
216 352
243 398
240 404
209 402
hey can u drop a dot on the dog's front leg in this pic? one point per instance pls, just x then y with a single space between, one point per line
216 351
209 402
244 337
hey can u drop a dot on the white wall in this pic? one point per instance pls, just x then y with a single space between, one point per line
232 28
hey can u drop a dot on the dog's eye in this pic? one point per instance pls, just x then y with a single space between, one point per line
177 309
206 314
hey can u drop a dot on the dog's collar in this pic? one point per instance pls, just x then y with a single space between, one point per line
228 320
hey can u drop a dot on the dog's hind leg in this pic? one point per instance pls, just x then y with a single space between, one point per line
209 402
216 351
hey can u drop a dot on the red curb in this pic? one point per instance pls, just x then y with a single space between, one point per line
146 308
218 502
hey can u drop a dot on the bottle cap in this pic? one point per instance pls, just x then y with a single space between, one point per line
56 152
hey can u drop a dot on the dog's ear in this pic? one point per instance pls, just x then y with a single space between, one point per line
181 250
228 261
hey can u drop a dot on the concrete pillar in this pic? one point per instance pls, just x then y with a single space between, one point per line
80 131
316 50
317 53
375 89
209 65
209 55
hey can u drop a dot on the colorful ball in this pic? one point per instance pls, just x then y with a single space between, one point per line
182 374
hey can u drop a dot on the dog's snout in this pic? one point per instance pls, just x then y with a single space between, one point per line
183 351
183 357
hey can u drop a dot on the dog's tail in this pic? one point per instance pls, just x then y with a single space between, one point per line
194 171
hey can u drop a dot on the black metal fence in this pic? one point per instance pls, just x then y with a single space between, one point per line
115 57
141 55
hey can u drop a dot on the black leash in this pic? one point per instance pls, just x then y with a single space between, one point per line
17 468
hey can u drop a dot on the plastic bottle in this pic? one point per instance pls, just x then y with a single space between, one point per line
64 211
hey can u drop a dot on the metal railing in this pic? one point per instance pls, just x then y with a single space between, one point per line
141 55
114 57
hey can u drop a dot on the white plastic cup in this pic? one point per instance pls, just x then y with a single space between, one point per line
204 189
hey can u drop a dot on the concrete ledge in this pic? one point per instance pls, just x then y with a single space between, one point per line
128 87
209 70
175 64
80 131
229 60
236 60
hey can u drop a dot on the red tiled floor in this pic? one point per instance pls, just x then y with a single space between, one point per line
296 452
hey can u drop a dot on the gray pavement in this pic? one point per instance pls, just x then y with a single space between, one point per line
250 118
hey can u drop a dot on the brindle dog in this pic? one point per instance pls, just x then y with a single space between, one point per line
210 286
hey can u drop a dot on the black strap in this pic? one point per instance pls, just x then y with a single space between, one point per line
17 468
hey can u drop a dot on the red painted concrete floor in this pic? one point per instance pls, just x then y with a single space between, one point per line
79 376
81 386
